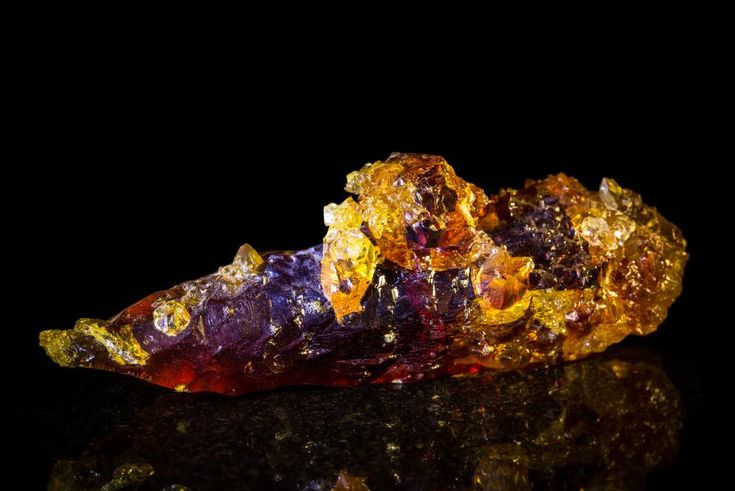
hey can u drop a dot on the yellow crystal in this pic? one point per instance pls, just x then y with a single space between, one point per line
67 347
171 318
248 258
502 279
349 258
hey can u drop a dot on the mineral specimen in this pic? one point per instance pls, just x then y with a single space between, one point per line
599 423
421 275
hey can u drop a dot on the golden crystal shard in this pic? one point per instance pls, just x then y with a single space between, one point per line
501 278
171 317
349 258
89 336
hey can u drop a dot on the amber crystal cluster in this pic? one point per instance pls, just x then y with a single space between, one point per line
421 274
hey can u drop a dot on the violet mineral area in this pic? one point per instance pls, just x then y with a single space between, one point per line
420 275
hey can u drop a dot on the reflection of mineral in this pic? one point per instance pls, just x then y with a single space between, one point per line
420 275
606 420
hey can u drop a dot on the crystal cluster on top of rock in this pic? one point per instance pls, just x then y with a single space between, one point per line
421 275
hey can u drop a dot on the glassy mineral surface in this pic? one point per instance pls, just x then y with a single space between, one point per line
420 274
601 423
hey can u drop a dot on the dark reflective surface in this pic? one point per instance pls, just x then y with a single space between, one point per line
600 423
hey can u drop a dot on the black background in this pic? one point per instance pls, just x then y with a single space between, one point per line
131 178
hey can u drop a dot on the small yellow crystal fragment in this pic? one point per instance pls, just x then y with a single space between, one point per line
349 258
171 318
248 257
68 348
502 279
60 346
246 264
121 345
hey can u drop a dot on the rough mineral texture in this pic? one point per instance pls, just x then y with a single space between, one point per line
600 423
420 275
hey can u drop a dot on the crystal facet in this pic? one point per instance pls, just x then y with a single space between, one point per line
420 275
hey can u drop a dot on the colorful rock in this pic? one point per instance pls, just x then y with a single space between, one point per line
422 275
